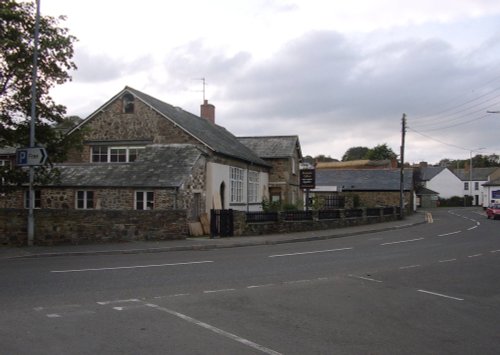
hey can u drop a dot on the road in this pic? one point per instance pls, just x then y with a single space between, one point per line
428 289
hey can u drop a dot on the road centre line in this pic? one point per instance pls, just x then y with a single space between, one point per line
215 329
451 233
131 267
364 278
441 295
495 251
259 286
474 256
221 290
471 228
447 260
409 266
308 252
402 241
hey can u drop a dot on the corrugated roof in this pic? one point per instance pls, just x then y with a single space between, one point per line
268 147
364 179
158 166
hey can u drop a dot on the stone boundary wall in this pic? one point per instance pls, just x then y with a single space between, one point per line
242 228
54 227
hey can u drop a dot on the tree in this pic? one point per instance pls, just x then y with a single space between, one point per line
355 153
381 152
55 53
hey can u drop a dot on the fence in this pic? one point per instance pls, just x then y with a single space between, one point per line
254 223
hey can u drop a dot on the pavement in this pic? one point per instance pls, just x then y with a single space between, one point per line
205 243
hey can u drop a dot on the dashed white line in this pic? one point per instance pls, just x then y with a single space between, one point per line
441 295
447 260
221 290
215 330
364 278
495 251
132 267
409 267
402 241
474 256
259 286
471 228
309 252
451 233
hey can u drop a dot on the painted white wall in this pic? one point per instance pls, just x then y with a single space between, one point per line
219 173
480 192
447 184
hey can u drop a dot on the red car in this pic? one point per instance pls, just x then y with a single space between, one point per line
493 211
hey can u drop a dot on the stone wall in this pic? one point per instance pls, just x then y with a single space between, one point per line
54 227
242 228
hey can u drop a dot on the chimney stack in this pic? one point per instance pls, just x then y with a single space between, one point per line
207 111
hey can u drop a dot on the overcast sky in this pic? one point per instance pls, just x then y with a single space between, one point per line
337 73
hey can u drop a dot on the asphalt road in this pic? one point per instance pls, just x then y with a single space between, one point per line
428 289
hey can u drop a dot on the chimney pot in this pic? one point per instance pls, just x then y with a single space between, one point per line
207 111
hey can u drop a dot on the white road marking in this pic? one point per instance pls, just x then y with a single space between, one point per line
471 228
222 290
258 286
104 303
447 260
441 295
495 251
451 233
131 267
53 315
402 241
308 252
296 282
474 256
365 278
215 330
409 267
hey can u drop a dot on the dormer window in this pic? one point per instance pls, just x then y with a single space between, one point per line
128 103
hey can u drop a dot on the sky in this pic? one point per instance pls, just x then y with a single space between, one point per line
338 74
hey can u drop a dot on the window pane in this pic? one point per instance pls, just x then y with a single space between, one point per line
90 199
118 155
139 204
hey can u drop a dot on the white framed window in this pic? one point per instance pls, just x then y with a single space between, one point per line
84 200
237 178
105 154
144 200
466 186
253 186
38 199
476 185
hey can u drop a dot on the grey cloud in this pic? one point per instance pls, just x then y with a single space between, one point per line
94 68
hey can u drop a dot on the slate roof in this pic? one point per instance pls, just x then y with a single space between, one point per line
493 183
478 174
429 172
364 180
215 137
268 147
160 166
425 191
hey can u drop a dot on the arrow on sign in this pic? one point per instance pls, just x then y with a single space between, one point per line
31 156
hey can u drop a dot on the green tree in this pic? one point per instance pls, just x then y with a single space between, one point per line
381 152
355 153
55 53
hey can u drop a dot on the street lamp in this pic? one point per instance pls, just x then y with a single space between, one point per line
470 172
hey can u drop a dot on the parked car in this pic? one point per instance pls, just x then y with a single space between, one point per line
493 211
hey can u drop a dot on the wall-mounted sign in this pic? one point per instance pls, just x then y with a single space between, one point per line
307 179
495 194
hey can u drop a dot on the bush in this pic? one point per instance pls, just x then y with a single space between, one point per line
455 201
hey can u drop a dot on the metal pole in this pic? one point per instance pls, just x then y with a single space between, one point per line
31 217
402 171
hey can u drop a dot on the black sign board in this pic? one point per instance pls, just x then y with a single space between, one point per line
307 179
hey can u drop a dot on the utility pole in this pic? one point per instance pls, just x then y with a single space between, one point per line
31 192
402 171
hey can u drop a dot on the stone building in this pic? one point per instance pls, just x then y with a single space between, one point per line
284 154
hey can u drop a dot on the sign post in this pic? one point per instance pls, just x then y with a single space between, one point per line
307 181
31 156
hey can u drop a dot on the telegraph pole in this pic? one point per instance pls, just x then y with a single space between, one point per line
402 171
31 192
